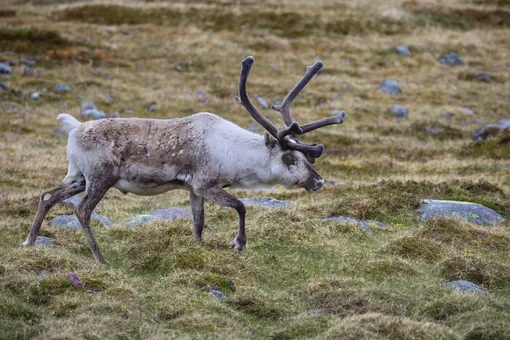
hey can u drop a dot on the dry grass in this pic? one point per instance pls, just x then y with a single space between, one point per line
296 280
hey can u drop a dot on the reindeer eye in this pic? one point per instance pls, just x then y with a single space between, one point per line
289 159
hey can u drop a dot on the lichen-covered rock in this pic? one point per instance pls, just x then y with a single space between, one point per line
71 222
465 286
218 294
467 211
403 50
450 59
43 242
168 214
390 86
399 111
492 129
62 88
264 202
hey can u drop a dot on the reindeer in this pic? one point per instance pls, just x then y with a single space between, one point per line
202 153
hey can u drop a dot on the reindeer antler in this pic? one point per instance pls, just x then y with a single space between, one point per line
288 136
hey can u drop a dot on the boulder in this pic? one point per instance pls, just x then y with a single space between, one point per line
363 224
390 86
465 286
450 59
492 129
71 222
43 242
403 50
264 202
168 214
471 212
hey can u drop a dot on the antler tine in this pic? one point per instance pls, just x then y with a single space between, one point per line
244 100
311 71
311 152
338 119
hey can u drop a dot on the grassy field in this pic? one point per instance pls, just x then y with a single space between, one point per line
318 280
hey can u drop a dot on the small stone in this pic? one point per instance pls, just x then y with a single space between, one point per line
43 242
35 96
62 88
71 222
399 111
433 131
491 130
44 90
390 86
128 111
467 211
264 202
448 115
3 86
277 102
403 50
28 62
29 71
465 286
450 59
114 114
88 109
110 99
484 78
262 102
152 108
172 213
218 294
5 68
43 274
467 111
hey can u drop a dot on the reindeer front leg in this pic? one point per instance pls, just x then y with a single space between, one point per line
221 197
197 208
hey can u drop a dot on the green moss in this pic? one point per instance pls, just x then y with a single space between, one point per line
413 247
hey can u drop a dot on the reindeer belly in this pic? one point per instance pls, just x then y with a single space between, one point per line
147 190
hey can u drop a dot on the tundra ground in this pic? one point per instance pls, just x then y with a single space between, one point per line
295 280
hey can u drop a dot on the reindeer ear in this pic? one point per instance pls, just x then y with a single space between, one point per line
269 140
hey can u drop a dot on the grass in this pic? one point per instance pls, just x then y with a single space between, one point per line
296 280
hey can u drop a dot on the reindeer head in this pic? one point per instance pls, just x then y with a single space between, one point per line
290 158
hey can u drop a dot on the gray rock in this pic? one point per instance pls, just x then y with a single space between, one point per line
262 102
403 50
62 88
35 96
110 99
3 86
433 131
218 294
465 286
363 224
491 130
448 115
450 59
467 211
71 222
152 108
467 111
43 242
128 111
277 102
28 62
390 86
88 109
484 78
5 68
29 71
170 214
138 220
264 202
399 111
114 114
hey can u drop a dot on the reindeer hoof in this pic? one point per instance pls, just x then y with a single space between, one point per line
26 244
238 245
